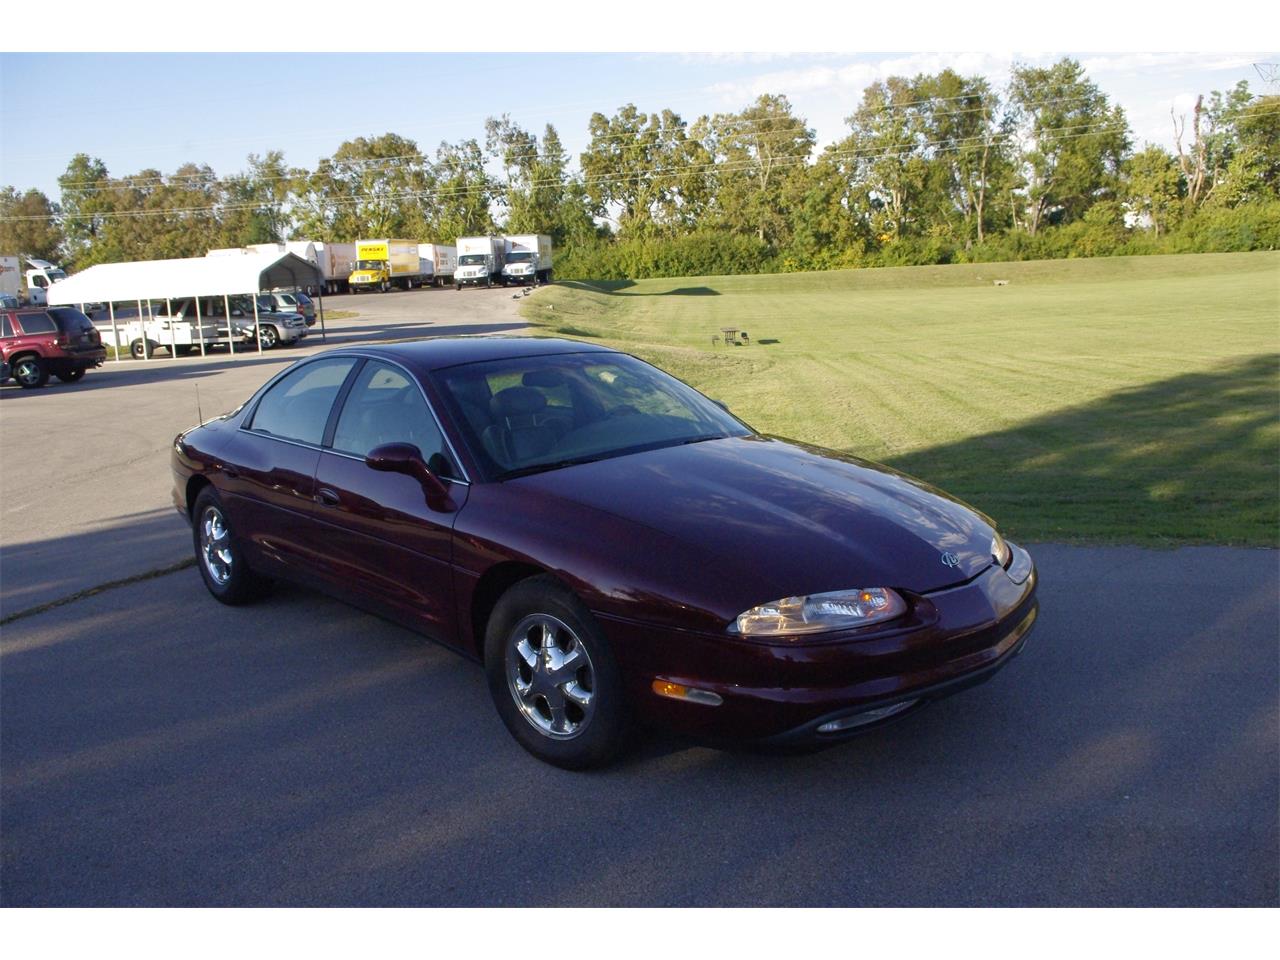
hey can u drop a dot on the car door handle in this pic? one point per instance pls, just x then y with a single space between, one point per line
328 497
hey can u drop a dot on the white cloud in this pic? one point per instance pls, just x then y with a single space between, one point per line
1132 63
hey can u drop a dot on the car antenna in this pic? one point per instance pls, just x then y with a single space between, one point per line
199 415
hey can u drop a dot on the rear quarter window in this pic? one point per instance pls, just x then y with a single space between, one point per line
37 323
71 321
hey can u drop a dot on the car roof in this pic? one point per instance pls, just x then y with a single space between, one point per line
436 353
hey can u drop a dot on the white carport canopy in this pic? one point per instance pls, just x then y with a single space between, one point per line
219 276
193 277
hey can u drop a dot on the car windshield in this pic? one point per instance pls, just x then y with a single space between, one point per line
471 258
519 257
369 264
531 414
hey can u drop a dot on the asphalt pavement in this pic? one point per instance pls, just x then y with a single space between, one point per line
157 748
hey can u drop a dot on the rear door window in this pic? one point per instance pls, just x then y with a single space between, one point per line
7 326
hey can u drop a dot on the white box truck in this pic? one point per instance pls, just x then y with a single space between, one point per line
480 261
336 261
528 259
443 260
31 286
11 277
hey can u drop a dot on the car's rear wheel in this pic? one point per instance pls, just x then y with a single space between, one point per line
72 375
142 349
221 562
30 372
553 676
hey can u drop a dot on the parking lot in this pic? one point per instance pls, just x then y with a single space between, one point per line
157 748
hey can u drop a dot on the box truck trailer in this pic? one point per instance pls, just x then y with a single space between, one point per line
336 261
480 261
528 259
32 285
443 260
383 264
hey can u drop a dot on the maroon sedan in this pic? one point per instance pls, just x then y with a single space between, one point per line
612 546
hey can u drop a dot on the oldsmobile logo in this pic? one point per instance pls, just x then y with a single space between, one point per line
950 560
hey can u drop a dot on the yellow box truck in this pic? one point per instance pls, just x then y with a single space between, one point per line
382 264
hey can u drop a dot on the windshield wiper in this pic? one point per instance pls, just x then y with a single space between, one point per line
551 465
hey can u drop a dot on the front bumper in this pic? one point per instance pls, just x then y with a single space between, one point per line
782 694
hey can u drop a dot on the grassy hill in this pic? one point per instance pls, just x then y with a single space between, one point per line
1124 399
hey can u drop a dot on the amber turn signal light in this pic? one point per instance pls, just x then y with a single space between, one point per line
678 691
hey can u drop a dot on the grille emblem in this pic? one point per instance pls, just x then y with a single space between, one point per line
950 560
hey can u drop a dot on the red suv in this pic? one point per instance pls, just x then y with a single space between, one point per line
60 340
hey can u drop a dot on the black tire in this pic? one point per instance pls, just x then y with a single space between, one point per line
458 287
488 281
268 336
185 350
602 727
30 372
142 349
241 584
72 375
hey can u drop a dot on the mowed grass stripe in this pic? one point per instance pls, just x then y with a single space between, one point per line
1124 399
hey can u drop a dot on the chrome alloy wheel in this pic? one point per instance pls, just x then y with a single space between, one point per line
215 545
550 676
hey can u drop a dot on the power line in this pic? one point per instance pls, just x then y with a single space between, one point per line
96 186
907 149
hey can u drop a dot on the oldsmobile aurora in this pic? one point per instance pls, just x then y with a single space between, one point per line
611 545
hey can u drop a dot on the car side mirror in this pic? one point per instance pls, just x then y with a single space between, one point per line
407 459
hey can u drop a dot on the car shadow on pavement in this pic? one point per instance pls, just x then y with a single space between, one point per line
51 569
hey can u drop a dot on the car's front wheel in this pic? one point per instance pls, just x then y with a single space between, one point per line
222 565
553 676
268 337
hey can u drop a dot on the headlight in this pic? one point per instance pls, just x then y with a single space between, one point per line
818 612
1000 551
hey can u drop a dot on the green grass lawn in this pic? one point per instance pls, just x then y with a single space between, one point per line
1130 399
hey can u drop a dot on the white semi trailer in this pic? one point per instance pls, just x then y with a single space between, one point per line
528 259
443 262
336 261
480 261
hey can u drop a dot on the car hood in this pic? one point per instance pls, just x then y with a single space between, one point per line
787 517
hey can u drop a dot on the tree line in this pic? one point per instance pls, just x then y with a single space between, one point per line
935 168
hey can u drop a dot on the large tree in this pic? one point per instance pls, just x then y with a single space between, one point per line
757 151
1073 142
1153 187
29 224
884 159
370 187
965 133
646 169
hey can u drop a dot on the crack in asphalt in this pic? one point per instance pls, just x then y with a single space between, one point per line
100 588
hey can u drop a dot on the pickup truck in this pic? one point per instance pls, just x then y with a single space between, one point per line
180 333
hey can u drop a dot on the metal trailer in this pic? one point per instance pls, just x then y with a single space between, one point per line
443 259
336 261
